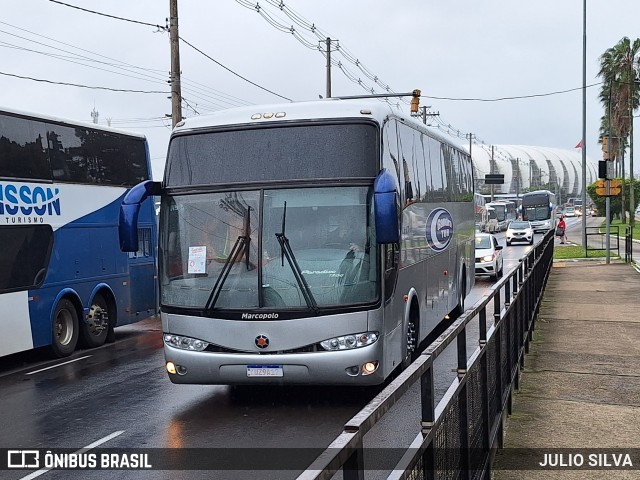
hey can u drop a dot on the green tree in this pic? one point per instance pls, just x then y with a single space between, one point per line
616 202
619 66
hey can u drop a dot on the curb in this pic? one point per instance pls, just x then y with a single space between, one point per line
579 259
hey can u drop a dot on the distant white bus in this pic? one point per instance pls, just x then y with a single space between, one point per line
308 243
505 212
538 208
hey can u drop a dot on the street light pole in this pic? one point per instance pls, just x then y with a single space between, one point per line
584 125
607 215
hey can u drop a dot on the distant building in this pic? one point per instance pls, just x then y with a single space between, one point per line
527 168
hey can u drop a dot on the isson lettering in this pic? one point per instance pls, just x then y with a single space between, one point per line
28 200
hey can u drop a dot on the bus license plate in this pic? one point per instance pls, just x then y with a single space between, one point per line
264 371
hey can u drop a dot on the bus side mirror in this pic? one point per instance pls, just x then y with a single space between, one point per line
385 205
129 209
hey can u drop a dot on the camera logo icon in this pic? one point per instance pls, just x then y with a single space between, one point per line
23 459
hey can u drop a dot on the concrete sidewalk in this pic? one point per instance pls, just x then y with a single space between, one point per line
580 387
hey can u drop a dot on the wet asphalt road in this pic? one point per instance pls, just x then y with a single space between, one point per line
119 394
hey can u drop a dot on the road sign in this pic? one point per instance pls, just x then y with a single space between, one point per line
614 184
493 179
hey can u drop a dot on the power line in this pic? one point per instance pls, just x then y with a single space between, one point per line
311 27
82 86
231 71
519 97
153 73
74 59
110 16
182 39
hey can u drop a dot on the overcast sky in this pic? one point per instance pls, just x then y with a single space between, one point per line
480 49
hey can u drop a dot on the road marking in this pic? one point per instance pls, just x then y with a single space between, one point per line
42 471
58 365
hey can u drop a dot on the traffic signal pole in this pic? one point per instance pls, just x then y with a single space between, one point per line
607 218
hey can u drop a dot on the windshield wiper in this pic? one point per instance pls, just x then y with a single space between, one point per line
286 251
242 242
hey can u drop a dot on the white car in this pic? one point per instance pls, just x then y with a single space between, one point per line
520 231
488 256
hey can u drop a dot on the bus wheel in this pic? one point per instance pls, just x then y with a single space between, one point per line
65 329
412 344
95 327
459 309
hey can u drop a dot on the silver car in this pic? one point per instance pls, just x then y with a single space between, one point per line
488 256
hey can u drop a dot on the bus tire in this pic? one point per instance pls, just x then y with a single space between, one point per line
64 329
459 308
411 341
411 338
95 327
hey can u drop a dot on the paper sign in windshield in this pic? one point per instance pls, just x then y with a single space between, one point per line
197 260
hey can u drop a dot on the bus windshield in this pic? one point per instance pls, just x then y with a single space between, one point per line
328 229
537 206
536 213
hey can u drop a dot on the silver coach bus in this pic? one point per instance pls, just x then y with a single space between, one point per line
307 243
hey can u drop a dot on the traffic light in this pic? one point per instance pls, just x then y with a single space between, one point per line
602 169
415 101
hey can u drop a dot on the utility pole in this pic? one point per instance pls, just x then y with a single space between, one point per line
174 39
607 215
584 127
424 113
517 179
328 92
470 136
491 171
632 178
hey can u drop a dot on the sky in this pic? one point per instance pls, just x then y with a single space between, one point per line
455 52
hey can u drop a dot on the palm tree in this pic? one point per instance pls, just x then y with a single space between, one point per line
619 67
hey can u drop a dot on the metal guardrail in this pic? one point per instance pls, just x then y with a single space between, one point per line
596 240
459 434
628 244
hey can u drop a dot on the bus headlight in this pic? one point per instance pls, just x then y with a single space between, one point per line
347 342
185 343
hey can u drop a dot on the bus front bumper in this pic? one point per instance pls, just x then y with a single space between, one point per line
343 367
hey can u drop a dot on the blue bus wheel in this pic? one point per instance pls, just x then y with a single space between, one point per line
65 329
95 326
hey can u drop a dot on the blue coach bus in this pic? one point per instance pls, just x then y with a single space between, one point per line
307 243
63 280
